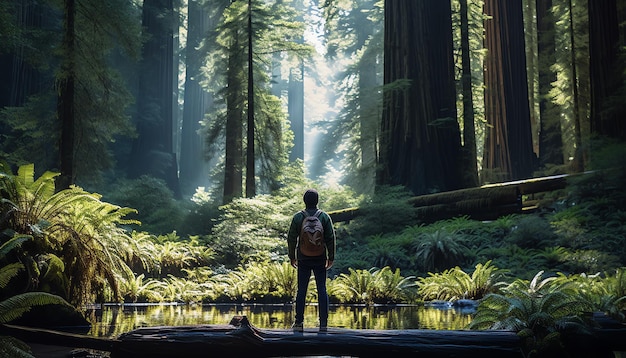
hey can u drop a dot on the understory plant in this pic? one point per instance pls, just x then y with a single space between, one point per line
543 312
13 307
372 286
455 284
77 241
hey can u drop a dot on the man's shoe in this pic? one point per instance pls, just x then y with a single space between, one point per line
298 327
323 329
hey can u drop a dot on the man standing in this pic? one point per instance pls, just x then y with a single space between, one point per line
306 260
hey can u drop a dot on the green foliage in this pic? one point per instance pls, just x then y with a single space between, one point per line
541 311
454 284
387 211
157 210
30 128
372 286
273 31
251 230
13 307
70 225
531 232
440 250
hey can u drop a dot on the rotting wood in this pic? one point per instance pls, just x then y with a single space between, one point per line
484 203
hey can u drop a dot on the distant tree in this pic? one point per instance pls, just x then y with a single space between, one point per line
420 137
65 106
153 152
226 123
570 91
470 170
31 127
550 134
194 166
354 30
508 151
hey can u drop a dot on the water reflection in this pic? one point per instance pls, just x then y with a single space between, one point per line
111 321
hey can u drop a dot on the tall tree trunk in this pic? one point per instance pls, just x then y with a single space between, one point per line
607 71
295 108
470 171
550 134
153 151
194 168
420 137
234 130
66 99
250 170
580 157
369 116
295 97
508 151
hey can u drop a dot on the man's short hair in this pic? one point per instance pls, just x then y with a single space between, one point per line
311 198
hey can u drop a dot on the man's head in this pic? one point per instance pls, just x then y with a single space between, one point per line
310 198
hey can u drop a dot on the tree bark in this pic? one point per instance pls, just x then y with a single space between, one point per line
470 171
420 136
250 170
508 153
234 129
607 71
65 106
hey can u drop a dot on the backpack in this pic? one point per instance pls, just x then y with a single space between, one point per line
311 239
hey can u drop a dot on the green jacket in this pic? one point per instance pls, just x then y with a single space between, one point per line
294 232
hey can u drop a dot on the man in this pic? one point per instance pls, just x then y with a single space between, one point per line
317 263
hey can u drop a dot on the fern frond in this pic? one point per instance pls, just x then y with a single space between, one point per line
16 241
14 307
9 271
14 348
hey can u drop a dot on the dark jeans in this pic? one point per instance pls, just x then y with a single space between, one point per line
304 274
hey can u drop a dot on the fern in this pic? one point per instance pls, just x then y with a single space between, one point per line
14 348
541 310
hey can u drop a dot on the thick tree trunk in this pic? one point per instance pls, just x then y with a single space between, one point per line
508 151
607 71
420 137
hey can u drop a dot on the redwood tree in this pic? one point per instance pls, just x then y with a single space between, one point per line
153 152
420 137
607 69
508 153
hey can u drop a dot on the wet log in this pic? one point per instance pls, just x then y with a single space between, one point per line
241 339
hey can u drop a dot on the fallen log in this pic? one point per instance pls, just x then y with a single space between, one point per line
243 339
240 338
487 202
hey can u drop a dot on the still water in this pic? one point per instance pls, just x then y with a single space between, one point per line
113 320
